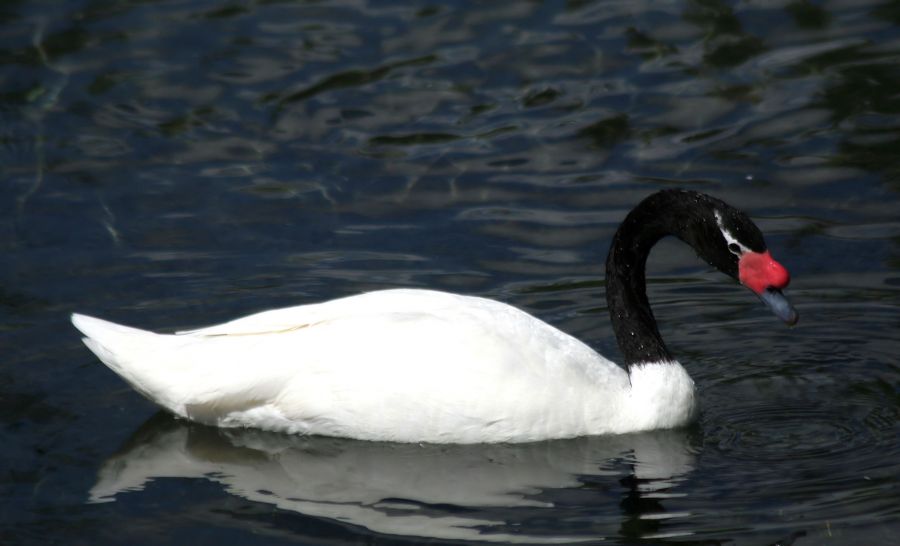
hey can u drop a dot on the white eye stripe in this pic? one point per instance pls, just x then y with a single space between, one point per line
729 238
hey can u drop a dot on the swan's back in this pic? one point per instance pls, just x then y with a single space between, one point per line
406 365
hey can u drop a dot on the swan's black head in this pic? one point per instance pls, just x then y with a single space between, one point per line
721 235
727 239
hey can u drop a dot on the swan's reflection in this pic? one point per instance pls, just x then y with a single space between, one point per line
436 491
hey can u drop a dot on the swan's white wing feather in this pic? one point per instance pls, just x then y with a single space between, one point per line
372 303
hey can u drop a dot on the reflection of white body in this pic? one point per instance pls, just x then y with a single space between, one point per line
397 365
383 486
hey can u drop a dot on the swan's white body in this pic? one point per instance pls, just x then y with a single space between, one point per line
395 365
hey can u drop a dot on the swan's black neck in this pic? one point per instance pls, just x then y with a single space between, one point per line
684 214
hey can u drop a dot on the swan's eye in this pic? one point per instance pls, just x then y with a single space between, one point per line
735 249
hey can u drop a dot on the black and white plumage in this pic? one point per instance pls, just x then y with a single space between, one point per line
413 365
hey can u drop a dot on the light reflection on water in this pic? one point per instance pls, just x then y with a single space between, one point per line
428 491
172 165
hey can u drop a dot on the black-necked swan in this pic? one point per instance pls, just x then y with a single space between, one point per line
411 365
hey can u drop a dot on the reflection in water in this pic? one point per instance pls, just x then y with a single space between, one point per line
438 491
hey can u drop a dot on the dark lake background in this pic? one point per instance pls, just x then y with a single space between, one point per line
179 163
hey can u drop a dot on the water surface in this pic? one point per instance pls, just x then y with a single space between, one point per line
176 164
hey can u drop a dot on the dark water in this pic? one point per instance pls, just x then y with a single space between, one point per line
172 164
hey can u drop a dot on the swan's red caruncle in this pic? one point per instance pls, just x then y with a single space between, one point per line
759 271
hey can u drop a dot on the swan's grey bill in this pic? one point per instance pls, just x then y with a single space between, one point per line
780 305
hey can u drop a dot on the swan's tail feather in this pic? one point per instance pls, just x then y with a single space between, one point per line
114 344
128 352
95 328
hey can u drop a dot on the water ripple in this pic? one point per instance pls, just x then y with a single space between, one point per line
798 433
